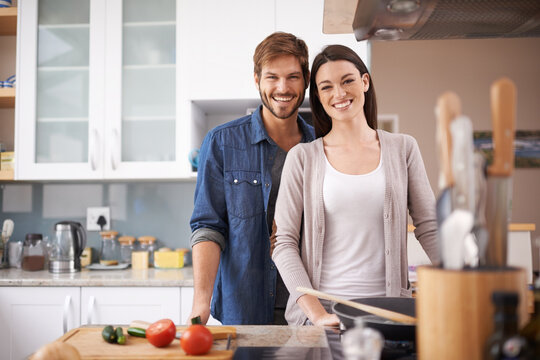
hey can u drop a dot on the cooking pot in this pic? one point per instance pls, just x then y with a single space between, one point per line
391 330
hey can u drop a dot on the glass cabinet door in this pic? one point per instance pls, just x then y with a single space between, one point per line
62 81
148 80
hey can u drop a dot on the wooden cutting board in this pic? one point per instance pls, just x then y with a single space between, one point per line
90 344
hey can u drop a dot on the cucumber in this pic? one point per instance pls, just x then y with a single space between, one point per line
135 331
120 338
196 320
108 334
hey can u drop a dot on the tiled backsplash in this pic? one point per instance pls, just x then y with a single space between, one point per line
160 209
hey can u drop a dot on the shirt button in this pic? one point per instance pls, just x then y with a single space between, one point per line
267 185
235 181
386 215
388 284
271 293
254 181
387 251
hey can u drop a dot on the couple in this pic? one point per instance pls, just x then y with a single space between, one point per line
339 220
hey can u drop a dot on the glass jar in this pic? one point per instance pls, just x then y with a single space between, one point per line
148 243
33 256
126 248
110 249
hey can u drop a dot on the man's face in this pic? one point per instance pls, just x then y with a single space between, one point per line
281 86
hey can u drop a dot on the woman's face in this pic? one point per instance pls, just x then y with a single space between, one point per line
342 89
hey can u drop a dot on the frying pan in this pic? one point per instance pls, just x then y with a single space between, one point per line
391 330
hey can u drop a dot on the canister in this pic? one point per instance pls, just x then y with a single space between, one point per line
139 260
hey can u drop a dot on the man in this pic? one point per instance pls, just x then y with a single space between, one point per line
240 165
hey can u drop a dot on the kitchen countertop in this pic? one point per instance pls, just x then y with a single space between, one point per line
127 277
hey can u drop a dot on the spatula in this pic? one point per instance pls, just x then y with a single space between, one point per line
387 314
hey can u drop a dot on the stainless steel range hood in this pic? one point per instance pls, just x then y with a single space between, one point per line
432 19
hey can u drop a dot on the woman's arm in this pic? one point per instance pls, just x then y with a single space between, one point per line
422 203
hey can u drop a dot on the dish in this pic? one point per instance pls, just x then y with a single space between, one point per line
107 267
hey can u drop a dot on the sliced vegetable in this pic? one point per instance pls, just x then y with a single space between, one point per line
161 333
120 338
196 320
196 340
135 331
109 335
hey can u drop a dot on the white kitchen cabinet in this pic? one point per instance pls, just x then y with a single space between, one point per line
32 317
97 91
221 37
121 305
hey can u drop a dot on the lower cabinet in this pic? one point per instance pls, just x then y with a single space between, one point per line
112 305
34 316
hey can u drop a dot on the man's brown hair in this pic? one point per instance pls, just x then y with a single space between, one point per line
279 44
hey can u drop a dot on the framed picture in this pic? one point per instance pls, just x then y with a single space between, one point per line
526 146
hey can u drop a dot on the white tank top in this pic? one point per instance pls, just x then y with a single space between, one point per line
353 253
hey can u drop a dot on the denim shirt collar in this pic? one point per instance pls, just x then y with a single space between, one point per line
258 131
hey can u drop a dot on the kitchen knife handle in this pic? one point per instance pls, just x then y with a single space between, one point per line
503 114
67 303
448 108
91 302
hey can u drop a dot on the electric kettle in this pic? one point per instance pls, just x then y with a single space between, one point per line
66 247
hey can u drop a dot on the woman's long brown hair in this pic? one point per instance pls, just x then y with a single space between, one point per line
321 121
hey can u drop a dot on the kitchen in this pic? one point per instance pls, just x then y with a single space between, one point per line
409 76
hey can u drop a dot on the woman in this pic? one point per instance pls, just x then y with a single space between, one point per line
341 212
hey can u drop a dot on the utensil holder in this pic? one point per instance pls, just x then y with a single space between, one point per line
455 312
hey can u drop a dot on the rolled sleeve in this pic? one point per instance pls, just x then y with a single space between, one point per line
205 234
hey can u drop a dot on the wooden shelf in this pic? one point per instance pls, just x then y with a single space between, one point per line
6 175
8 21
7 97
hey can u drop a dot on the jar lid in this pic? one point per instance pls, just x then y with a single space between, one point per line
147 239
108 234
33 237
128 240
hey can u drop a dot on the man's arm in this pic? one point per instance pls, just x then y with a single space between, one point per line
205 256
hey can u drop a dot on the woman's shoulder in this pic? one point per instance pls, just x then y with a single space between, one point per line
397 139
306 149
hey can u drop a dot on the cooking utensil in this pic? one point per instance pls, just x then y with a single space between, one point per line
463 196
479 230
448 107
384 313
503 111
7 231
390 330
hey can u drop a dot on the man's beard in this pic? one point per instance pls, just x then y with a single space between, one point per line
266 104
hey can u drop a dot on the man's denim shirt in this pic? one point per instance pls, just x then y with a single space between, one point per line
231 198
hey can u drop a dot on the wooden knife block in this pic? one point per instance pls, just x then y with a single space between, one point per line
454 309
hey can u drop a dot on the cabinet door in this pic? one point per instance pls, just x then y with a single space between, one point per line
308 26
121 305
59 112
143 134
220 38
34 316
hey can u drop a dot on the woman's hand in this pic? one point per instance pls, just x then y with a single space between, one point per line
315 312
327 320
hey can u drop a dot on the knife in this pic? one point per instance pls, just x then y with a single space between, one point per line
503 112
448 107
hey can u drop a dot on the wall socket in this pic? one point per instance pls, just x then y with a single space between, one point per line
92 216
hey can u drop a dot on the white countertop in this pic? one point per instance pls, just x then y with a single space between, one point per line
128 277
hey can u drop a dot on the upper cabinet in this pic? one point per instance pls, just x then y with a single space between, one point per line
97 91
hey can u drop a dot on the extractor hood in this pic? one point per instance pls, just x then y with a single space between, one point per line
432 19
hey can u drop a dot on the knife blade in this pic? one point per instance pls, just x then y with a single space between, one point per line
503 112
448 107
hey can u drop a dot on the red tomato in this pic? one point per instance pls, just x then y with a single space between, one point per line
196 340
161 333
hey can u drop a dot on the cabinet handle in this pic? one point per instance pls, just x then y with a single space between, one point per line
93 159
91 302
67 302
115 153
